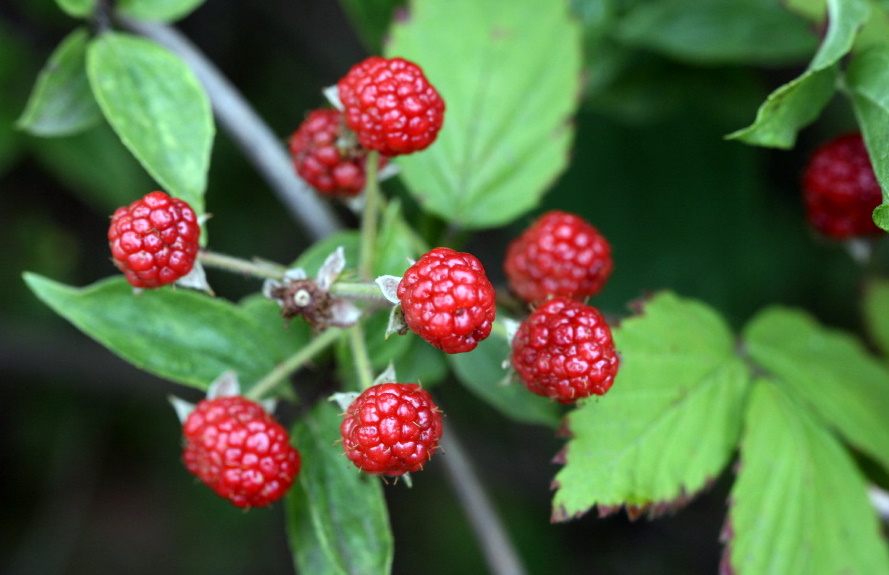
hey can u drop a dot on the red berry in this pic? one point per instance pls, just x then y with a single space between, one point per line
154 241
564 350
559 254
840 189
234 446
447 300
391 429
391 105
324 156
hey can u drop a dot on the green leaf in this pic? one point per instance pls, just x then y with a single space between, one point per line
157 10
876 313
337 521
829 370
670 423
799 505
313 258
797 103
158 108
756 32
510 80
283 338
62 102
482 372
95 166
77 8
177 334
867 81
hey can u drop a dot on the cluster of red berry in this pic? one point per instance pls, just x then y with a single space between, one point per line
563 349
388 105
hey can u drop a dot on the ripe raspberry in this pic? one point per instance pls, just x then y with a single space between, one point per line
840 189
234 446
564 350
391 105
559 254
447 300
154 241
391 429
324 157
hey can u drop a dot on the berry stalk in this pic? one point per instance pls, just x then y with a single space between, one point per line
369 217
283 370
264 270
358 347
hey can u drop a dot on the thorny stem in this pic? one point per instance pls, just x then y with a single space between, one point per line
270 158
369 217
238 265
284 369
358 346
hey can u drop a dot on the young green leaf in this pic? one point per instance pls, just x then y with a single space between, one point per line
827 369
157 10
158 108
177 334
867 81
61 102
876 313
670 423
797 103
482 372
799 505
77 8
756 32
337 521
510 80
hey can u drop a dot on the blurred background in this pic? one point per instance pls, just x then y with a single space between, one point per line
89 446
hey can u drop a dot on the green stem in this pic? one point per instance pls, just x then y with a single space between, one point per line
369 217
238 265
358 346
284 369
358 291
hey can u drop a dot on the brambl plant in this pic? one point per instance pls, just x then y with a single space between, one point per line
456 126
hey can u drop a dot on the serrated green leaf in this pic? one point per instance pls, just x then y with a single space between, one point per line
867 81
62 102
157 107
757 32
177 334
799 505
827 369
77 8
95 166
157 10
510 81
669 424
337 521
482 372
797 103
